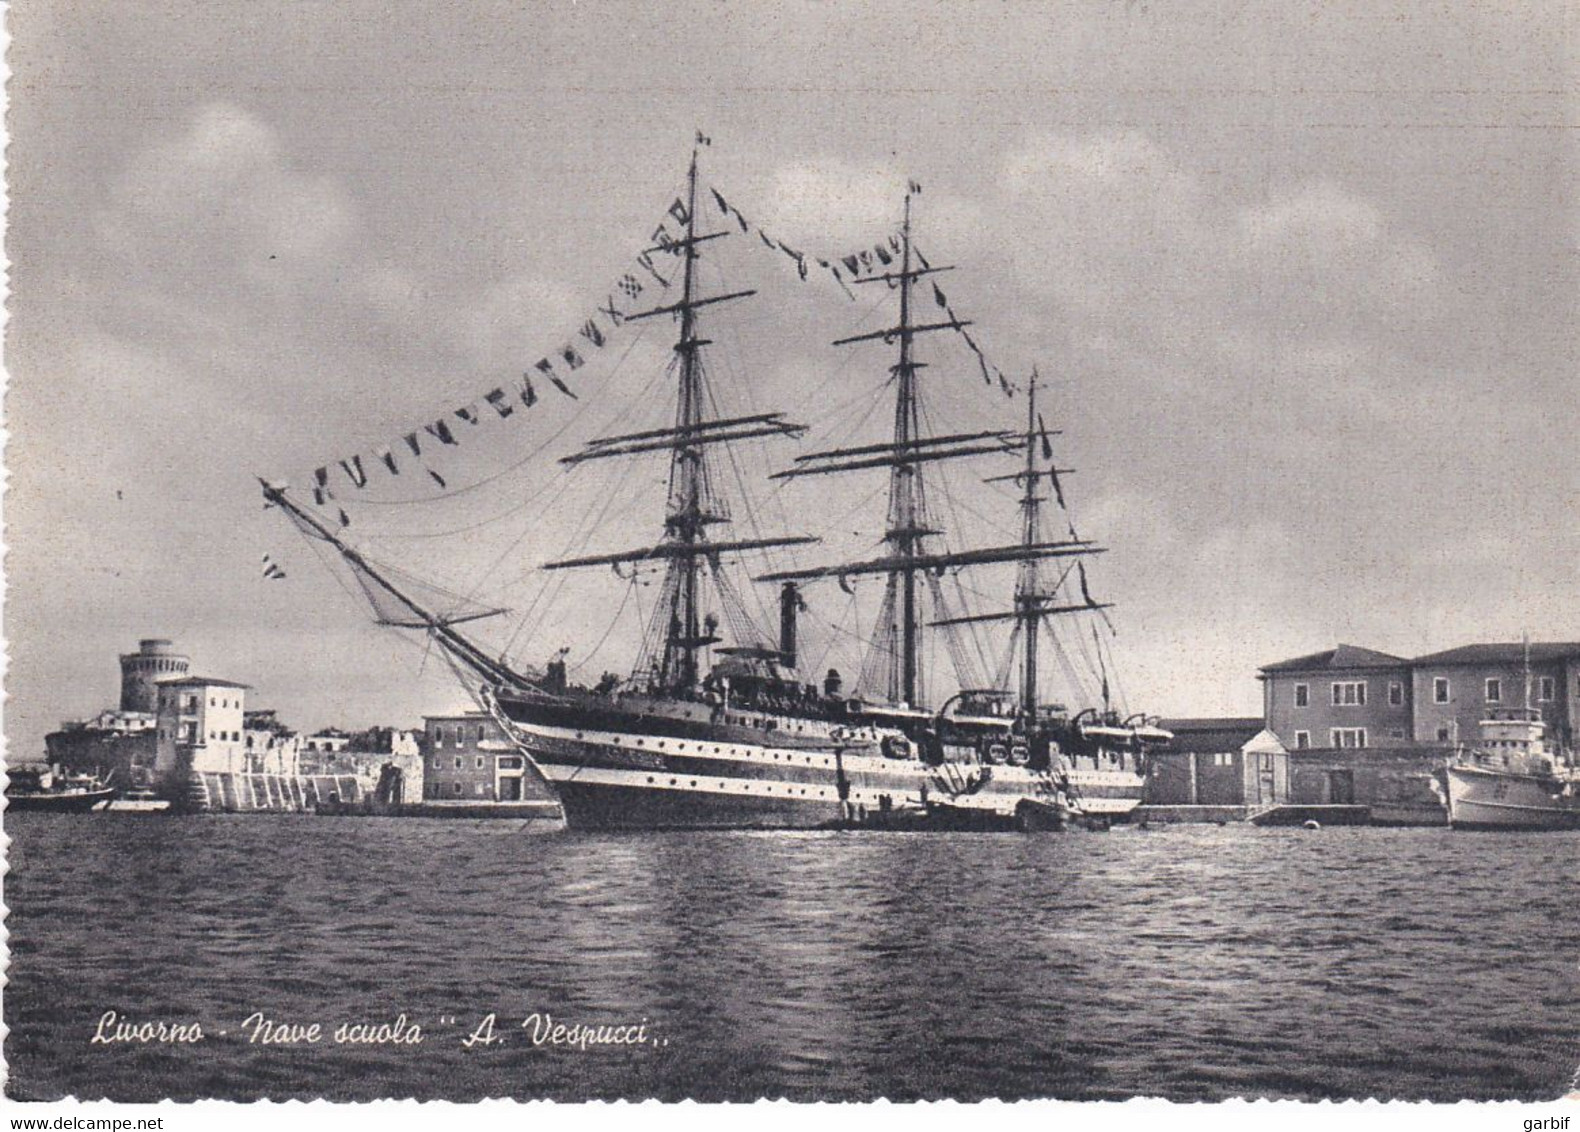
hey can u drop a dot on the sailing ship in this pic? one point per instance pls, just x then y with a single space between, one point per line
710 733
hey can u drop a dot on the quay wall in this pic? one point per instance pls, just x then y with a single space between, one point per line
231 792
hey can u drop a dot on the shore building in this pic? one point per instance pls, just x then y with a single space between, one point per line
466 758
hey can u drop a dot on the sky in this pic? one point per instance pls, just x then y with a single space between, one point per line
1300 279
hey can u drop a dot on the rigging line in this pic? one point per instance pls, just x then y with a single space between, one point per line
549 592
575 416
549 484
559 583
613 621
589 530
1005 669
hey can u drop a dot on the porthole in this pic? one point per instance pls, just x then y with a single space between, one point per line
639 742
693 782
672 782
650 778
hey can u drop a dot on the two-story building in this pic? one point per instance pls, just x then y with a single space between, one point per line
1457 689
466 758
1352 697
201 725
1346 697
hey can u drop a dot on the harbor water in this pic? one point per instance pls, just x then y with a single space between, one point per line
1196 963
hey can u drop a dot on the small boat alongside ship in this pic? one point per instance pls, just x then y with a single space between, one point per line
1510 780
46 789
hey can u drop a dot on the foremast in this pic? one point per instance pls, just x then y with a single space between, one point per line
680 629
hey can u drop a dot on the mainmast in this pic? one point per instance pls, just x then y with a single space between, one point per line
905 533
908 557
1026 582
693 505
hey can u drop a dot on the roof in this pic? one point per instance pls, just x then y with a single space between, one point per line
1345 656
201 681
1212 735
1513 653
1213 723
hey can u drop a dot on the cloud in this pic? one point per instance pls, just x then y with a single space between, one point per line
221 193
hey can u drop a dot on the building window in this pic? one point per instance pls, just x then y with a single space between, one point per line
479 762
1440 690
455 789
1442 734
1302 695
1494 690
1396 733
1396 694
482 790
481 735
1349 737
457 762
1548 690
1302 740
436 762
1350 693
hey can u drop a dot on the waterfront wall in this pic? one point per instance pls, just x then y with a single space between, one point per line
1398 784
234 793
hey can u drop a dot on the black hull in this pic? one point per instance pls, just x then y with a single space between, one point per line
1559 824
58 803
600 806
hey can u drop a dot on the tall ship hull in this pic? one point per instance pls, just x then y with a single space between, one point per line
1480 798
670 765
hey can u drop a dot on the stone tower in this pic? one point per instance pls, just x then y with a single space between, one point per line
141 672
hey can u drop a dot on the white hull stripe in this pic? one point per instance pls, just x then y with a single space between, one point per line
793 791
853 764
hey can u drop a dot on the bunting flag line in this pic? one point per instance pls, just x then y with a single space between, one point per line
496 398
593 334
854 265
991 374
354 472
